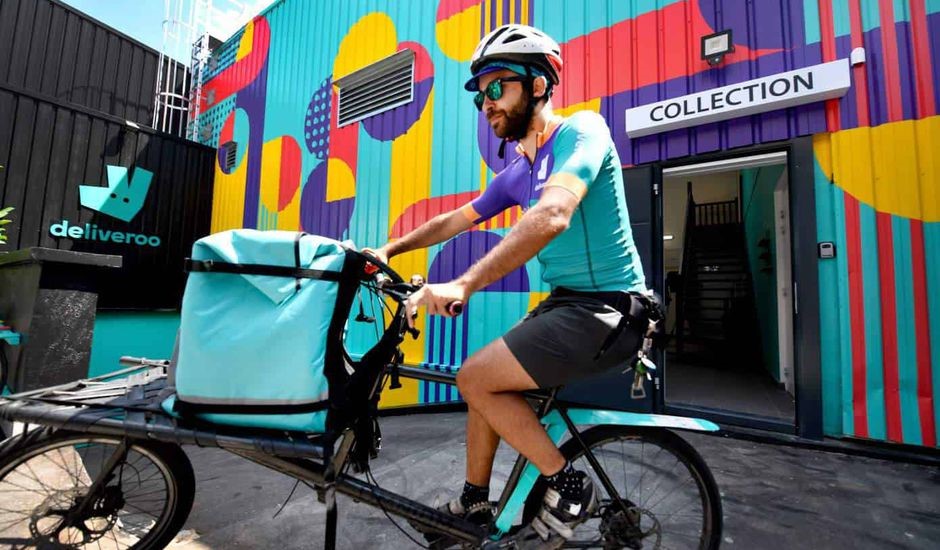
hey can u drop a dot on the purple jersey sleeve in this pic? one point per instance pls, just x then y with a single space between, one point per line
494 199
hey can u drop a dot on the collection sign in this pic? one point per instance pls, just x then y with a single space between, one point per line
769 93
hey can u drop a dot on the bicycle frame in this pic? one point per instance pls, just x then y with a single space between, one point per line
558 420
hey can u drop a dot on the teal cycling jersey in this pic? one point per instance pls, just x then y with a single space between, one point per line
597 251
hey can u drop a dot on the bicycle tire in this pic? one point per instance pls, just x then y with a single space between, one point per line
37 449
596 437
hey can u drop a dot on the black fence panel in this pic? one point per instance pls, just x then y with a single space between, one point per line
52 49
87 181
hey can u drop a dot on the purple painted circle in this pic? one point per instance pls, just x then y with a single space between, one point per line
317 121
394 123
317 215
464 250
770 26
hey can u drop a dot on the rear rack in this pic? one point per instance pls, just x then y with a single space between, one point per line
127 403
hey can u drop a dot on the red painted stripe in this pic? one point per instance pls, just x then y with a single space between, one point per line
828 39
344 142
228 129
889 326
290 172
856 317
646 67
889 43
244 71
925 395
448 8
859 76
922 65
425 209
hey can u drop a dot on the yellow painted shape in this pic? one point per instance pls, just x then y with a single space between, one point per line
271 173
535 298
589 105
457 35
411 155
340 182
244 45
891 167
822 150
228 196
407 394
370 39
928 166
288 219
525 13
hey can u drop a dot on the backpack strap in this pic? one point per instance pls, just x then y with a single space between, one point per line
215 266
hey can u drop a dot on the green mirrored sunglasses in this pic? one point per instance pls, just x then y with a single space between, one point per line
494 90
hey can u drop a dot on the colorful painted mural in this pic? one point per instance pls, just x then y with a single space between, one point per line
878 195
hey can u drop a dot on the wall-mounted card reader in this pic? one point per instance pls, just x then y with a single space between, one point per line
827 250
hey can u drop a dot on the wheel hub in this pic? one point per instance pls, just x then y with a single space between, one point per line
620 529
56 519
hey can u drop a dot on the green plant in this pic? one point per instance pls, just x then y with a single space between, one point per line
3 221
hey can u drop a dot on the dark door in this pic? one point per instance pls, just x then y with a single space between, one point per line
612 390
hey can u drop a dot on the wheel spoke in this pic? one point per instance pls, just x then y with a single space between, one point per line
43 481
662 480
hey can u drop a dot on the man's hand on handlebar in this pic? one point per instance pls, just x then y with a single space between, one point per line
379 254
445 299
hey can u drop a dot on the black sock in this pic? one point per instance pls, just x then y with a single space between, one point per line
474 494
567 482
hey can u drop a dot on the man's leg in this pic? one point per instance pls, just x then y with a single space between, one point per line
482 442
489 382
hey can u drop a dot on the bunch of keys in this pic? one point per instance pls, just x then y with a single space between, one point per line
641 369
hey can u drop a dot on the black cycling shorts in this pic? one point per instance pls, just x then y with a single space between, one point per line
558 342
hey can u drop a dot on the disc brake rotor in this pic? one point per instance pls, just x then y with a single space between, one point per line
47 522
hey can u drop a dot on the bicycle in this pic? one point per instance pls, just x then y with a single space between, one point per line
105 465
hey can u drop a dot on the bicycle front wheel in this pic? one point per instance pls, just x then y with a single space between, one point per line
68 490
672 500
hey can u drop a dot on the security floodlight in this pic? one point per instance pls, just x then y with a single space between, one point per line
715 46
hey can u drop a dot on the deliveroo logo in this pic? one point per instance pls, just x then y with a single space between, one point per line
120 199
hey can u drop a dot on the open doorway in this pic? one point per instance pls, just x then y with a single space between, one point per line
728 270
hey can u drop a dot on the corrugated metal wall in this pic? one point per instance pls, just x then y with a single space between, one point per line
383 176
878 199
64 107
57 51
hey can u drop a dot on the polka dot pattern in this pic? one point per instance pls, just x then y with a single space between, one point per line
212 120
317 121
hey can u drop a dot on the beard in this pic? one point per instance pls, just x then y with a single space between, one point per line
513 124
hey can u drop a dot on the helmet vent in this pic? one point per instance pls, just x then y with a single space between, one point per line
514 38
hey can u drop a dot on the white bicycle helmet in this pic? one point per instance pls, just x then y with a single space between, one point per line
519 44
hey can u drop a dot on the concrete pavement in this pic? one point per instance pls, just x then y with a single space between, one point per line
773 496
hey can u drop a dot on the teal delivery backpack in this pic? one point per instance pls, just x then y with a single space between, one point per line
261 330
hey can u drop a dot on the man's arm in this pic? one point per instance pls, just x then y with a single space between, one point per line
437 229
550 216
538 226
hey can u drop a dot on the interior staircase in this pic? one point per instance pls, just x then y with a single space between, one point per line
715 302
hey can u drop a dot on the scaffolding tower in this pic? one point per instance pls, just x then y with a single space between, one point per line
186 36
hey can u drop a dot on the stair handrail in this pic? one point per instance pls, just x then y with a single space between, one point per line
685 265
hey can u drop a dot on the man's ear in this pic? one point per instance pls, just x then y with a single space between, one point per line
539 86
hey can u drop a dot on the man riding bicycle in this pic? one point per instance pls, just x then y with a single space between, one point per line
567 179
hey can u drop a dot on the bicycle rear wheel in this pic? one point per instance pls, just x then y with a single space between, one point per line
45 478
676 503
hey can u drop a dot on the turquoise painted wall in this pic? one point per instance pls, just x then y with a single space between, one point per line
147 334
757 199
